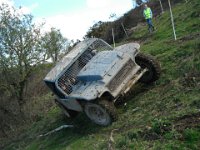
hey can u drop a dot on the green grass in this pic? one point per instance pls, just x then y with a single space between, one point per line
149 119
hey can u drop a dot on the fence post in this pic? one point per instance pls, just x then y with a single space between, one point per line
113 35
161 6
124 30
172 19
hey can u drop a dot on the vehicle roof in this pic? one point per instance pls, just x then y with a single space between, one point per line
71 57
68 59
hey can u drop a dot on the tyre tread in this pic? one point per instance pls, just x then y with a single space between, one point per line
153 63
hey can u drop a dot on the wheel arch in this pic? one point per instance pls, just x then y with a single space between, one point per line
107 95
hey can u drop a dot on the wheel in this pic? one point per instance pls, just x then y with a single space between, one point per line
102 112
154 70
66 111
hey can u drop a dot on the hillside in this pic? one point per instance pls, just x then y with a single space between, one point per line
165 115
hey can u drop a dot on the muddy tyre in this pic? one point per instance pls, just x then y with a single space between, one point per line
66 111
102 112
153 66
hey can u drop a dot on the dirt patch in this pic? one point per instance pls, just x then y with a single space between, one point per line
184 38
187 121
189 37
191 79
179 124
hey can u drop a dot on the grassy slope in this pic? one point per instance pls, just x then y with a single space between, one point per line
163 115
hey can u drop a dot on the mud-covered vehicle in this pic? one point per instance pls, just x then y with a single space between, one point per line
93 75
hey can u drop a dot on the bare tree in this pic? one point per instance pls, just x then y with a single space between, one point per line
139 2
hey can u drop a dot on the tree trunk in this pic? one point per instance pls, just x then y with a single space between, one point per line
56 57
21 100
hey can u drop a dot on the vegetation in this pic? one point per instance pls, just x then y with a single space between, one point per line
20 49
160 116
55 44
23 47
23 52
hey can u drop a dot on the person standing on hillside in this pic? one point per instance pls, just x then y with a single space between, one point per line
148 17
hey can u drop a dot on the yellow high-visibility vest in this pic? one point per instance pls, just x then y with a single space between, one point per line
147 13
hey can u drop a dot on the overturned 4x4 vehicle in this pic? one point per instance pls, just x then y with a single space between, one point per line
93 75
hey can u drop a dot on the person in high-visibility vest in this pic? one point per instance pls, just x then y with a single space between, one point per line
148 17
